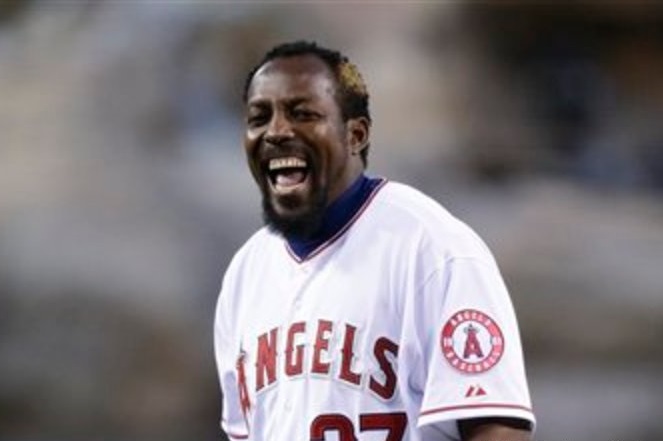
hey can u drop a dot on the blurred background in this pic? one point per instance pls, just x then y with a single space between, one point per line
124 193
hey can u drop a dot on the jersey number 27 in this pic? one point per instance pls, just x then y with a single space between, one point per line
393 423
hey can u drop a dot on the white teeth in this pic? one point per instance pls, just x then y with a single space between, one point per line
289 162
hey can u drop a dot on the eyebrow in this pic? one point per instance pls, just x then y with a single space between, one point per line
261 102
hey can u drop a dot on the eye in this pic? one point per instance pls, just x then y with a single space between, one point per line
304 114
257 118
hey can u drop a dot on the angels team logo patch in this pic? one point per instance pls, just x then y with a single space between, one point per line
472 342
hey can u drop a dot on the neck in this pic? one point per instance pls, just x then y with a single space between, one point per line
338 216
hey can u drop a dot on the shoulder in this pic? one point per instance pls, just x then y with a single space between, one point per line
260 244
418 216
410 202
241 271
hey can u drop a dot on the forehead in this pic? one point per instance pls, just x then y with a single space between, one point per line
301 77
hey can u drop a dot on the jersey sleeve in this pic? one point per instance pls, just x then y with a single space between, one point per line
473 359
226 354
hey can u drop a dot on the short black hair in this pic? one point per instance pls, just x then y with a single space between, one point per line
352 93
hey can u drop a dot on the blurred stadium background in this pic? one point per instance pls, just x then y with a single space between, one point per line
123 193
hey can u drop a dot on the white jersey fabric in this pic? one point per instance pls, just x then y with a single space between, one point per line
392 330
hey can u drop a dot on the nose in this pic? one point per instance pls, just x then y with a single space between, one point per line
279 129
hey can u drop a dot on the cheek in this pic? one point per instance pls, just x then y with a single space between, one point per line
336 148
334 163
249 143
250 150
252 145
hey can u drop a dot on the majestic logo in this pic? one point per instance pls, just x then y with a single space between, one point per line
472 342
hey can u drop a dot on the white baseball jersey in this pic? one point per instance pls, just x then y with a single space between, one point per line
393 329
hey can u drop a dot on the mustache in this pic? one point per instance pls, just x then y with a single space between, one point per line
270 151
275 149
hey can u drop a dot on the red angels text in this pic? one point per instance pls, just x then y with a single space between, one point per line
324 349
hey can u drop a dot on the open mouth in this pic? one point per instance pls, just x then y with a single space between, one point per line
286 174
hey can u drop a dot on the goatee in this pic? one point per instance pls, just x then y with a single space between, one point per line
301 226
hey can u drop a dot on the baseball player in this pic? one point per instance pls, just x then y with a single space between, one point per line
363 310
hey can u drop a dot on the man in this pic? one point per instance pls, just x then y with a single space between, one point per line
363 310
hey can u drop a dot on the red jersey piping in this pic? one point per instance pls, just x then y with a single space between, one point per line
475 406
340 232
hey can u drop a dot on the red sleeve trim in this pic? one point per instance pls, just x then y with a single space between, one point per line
475 406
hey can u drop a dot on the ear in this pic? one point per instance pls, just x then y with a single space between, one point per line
358 134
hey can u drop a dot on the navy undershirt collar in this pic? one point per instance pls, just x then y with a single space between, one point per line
337 215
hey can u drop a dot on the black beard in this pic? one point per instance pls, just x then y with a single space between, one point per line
302 226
